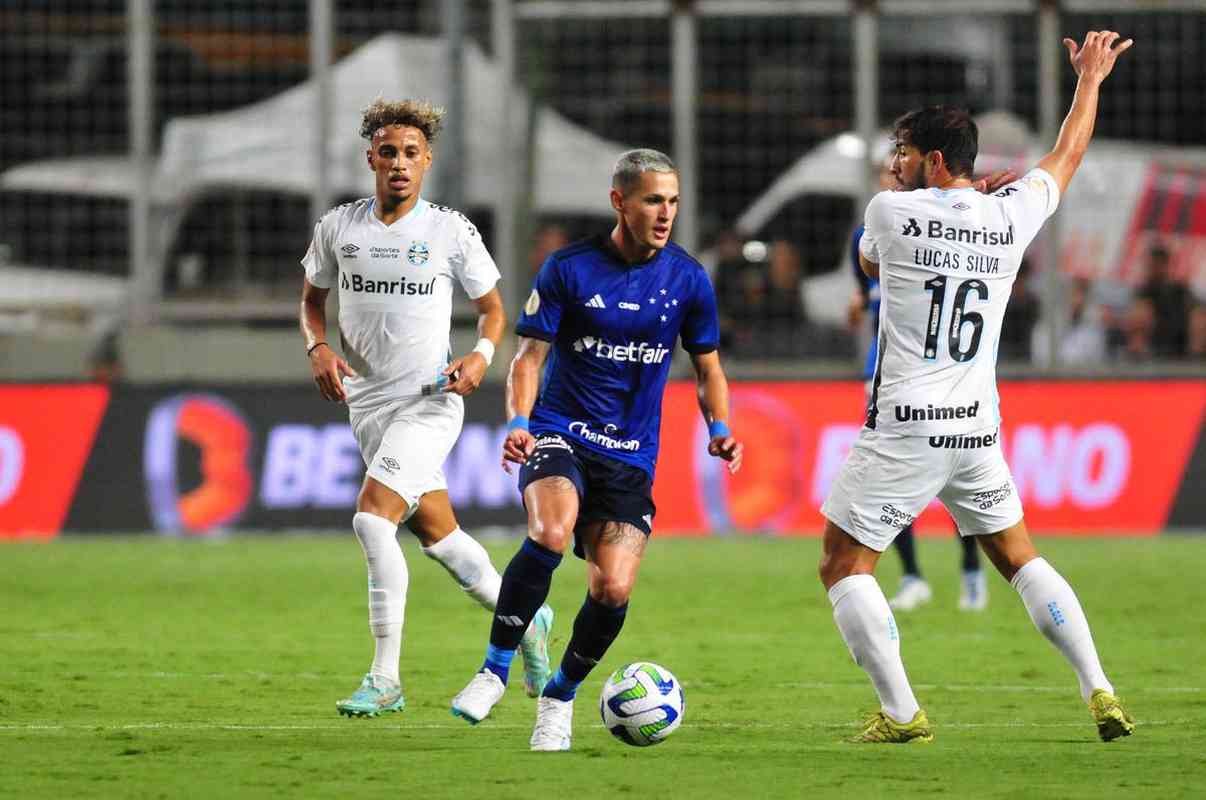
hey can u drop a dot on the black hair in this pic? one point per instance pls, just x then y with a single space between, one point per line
950 131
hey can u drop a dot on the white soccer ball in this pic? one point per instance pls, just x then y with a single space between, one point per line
642 704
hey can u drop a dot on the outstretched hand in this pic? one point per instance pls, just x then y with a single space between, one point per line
1094 59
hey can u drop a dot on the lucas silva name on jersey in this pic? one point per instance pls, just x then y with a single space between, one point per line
938 259
908 413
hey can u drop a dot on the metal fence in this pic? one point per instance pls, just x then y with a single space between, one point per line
163 161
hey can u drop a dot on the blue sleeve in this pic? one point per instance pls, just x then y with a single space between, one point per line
864 283
541 314
701 328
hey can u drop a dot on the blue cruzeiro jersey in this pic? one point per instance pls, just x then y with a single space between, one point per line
613 327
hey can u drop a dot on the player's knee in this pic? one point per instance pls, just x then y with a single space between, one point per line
834 566
553 534
827 570
613 590
381 501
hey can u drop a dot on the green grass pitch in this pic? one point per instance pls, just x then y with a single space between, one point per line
145 668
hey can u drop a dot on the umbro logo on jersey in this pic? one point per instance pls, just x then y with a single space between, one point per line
596 302
912 229
961 206
350 250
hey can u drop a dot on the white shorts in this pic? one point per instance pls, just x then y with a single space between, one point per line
404 444
888 480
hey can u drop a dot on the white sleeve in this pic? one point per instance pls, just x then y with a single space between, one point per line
471 262
1031 199
319 261
877 221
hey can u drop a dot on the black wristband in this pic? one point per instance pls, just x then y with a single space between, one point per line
315 346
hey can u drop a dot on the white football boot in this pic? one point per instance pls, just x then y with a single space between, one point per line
554 725
474 702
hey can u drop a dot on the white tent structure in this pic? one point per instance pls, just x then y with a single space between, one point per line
263 146
267 145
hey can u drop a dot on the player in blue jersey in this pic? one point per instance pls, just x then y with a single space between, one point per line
602 322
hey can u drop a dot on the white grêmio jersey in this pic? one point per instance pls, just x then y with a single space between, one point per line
395 292
947 262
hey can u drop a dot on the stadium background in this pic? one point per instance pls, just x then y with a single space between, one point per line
181 600
160 173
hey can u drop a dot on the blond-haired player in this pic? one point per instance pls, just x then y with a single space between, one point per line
395 258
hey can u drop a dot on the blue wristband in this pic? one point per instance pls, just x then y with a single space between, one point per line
518 422
718 428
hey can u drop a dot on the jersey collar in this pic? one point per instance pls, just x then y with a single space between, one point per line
414 213
604 244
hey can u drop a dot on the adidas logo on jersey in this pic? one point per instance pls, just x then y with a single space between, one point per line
596 302
633 352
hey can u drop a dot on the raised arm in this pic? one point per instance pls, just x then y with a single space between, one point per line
328 368
712 389
1092 61
523 383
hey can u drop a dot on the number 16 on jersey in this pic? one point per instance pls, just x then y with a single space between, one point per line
936 286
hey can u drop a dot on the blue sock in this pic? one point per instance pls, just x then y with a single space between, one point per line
525 586
560 687
498 661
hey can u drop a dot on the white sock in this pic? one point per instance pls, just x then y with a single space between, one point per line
1057 614
862 615
387 581
469 564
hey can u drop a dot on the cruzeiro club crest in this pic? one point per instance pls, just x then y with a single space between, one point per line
418 253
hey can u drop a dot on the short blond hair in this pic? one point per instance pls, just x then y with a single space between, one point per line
420 114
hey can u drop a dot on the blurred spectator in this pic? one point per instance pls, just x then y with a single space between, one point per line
1021 315
104 362
782 318
760 303
1138 328
1114 300
725 247
1197 332
738 287
1084 340
1170 302
548 239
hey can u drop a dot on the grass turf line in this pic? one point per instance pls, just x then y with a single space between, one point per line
138 667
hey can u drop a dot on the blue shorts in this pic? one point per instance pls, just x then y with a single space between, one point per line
608 490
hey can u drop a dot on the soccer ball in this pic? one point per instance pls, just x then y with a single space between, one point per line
642 704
